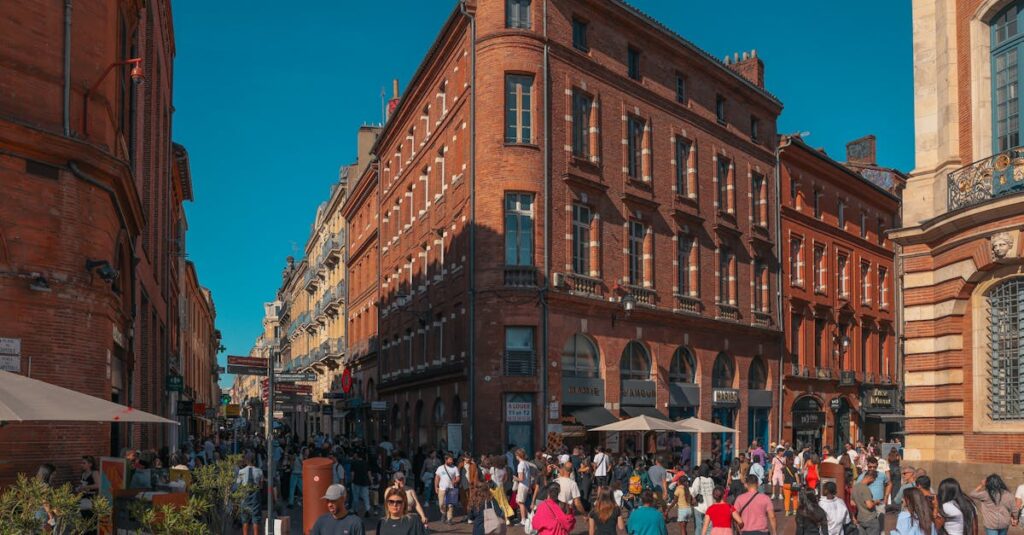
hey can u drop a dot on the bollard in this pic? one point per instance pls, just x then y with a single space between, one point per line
316 477
833 472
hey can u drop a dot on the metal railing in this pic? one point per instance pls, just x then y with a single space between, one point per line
986 179
520 276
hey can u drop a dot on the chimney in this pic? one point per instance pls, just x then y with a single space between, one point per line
748 66
393 103
364 142
862 151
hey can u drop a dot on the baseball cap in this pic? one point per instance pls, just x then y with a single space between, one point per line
334 492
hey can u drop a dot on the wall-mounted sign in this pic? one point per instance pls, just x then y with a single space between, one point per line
638 393
725 397
378 405
232 410
518 411
295 377
808 419
184 407
346 380
175 383
10 354
879 399
582 391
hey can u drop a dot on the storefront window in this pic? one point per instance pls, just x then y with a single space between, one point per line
636 362
580 358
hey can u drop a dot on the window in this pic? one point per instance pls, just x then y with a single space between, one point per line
517 14
1005 350
841 213
842 277
519 354
635 363
688 270
865 345
439 324
579 35
680 89
883 288
722 172
759 200
796 324
581 108
682 154
761 297
863 224
580 358
1006 50
518 229
635 256
865 283
581 220
883 364
720 108
794 187
755 129
817 204
635 146
757 377
820 269
518 88
683 368
633 61
819 342
796 261
723 372
726 276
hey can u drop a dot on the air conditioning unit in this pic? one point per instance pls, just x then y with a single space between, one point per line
557 280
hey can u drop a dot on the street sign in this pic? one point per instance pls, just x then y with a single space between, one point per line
346 380
225 399
334 395
294 377
211 412
184 407
232 410
292 388
199 408
175 383
247 365
10 354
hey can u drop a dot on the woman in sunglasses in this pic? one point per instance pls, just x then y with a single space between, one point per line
397 521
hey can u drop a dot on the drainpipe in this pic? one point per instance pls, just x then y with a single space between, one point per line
67 68
778 293
130 350
471 368
547 231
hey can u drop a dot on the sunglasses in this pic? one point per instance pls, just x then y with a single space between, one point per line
395 502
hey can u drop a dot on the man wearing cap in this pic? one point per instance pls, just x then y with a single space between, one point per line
337 521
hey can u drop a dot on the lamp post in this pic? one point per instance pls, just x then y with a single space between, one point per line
137 77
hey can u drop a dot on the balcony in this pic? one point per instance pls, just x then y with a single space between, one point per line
823 373
986 179
688 304
643 296
311 281
331 251
521 276
727 312
336 347
761 319
582 284
847 378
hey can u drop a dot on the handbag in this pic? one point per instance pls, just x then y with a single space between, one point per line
492 523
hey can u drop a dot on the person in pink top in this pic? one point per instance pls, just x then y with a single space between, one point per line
756 510
778 462
550 518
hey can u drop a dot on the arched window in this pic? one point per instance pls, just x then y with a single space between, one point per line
683 368
723 371
757 378
580 358
1005 350
636 362
806 403
1007 46
439 422
456 409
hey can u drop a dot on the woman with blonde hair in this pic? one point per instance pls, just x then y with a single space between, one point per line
397 520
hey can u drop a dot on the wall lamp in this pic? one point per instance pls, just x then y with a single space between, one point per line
137 78
102 268
628 303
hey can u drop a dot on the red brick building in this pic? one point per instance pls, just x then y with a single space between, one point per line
91 226
841 380
550 264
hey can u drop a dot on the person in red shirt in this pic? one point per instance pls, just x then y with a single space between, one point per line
720 515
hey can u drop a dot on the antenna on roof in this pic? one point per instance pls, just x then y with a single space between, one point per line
383 106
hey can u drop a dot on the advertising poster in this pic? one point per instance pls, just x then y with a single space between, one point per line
113 476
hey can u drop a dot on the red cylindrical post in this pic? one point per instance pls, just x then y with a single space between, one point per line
316 477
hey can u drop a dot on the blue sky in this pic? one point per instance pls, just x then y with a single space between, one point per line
268 98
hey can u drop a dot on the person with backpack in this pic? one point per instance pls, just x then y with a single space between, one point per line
251 508
602 467
525 479
446 484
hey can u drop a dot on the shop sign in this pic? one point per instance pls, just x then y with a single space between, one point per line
232 410
378 406
10 354
184 407
638 393
835 404
879 399
808 420
199 408
175 383
518 411
346 380
582 391
725 397
683 395
334 395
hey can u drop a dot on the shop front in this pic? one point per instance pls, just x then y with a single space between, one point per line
724 403
843 419
519 422
808 424
683 401
759 404
880 409
583 409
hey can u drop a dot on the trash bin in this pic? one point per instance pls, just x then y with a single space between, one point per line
316 477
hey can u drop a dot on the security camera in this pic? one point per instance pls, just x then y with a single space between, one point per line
102 268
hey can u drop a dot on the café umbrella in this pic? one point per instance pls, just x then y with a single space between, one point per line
23 399
696 425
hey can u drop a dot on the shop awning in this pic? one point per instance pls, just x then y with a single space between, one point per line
23 399
885 417
594 416
644 411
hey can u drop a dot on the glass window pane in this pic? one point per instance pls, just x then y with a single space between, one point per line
519 338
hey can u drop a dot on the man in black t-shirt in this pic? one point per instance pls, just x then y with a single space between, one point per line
360 478
337 521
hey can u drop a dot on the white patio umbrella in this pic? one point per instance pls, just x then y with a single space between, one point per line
639 423
696 425
23 399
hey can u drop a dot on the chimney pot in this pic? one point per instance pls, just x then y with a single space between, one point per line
745 56
736 57
753 53
394 87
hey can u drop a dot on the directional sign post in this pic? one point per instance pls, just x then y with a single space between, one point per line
247 365
295 377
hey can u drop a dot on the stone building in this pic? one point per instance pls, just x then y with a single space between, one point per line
963 273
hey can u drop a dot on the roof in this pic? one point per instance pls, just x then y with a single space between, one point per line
185 171
700 51
798 142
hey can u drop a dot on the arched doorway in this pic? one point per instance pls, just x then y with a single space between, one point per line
582 397
725 402
808 423
440 438
637 388
842 409
684 398
759 402
421 425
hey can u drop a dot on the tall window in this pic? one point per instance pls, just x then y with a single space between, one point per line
581 221
755 129
759 200
726 276
680 89
1007 44
633 63
820 269
863 224
819 342
635 256
796 261
683 368
760 286
842 276
883 287
518 229
796 324
517 14
722 178
519 351
581 107
687 263
1006 350
580 358
883 366
635 363
682 155
817 204
865 283
841 213
518 89
720 108
579 35
865 346
634 145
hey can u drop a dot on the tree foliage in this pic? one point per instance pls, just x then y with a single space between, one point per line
27 506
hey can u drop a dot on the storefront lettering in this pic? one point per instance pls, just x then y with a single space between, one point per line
637 393
726 397
584 390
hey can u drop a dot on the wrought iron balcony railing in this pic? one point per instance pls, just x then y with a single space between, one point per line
986 179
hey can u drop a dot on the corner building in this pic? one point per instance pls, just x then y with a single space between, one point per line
576 226
962 262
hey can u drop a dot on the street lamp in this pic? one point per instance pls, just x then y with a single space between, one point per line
628 303
136 74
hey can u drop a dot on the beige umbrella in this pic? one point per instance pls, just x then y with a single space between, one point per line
639 423
696 425
23 399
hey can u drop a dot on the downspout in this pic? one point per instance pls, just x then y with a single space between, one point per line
130 350
900 339
67 68
471 368
547 231
781 317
